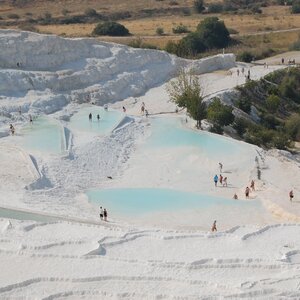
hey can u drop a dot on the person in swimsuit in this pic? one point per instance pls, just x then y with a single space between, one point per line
105 214
101 213
291 194
247 191
214 226
216 178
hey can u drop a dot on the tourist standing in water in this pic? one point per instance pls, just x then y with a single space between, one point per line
105 214
106 107
214 226
98 117
216 178
235 196
90 117
101 213
124 109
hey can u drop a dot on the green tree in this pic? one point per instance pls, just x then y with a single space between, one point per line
199 6
110 28
292 126
186 92
219 113
213 33
190 45
273 103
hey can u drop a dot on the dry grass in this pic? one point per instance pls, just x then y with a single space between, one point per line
55 7
272 18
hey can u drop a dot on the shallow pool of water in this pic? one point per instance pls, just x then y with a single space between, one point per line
21 215
44 135
138 201
171 133
108 120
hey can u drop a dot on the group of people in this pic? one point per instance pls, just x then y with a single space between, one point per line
103 214
91 117
221 179
290 61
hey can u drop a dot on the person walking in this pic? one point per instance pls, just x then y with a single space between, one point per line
105 214
221 167
225 181
291 194
252 185
221 179
216 178
101 213
90 117
214 226
12 129
247 191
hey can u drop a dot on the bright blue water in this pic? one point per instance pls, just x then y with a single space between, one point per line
170 133
146 200
44 135
20 215
108 120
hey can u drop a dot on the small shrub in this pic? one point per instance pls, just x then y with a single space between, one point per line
110 28
240 125
245 56
90 12
171 47
273 102
244 104
13 16
180 29
295 7
219 113
199 6
159 31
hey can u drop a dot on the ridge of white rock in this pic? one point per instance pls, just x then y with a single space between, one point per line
51 71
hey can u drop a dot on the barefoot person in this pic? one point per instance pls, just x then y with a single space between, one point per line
98 117
101 213
291 194
105 214
225 181
216 178
90 117
214 226
252 185
235 196
12 129
247 191
221 179
221 167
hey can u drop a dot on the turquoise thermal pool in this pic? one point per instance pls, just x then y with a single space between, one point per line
44 135
108 120
22 215
170 133
142 202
